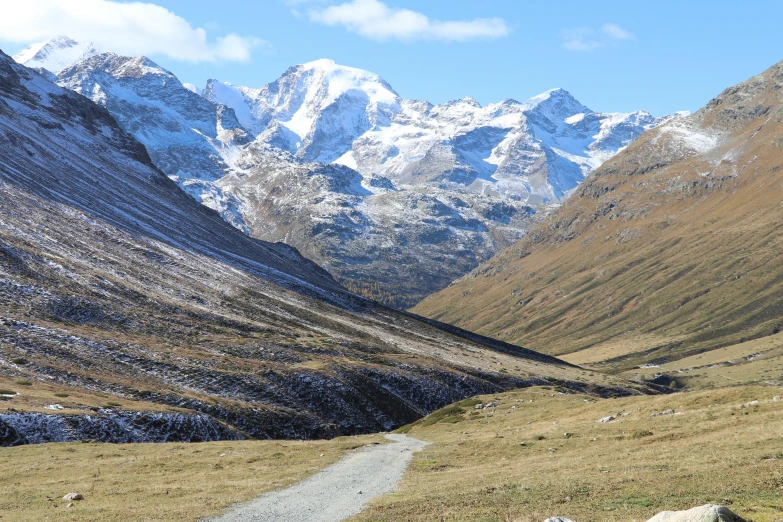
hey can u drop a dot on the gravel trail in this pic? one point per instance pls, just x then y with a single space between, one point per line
334 493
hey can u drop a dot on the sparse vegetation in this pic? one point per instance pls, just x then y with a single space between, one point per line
625 470
179 481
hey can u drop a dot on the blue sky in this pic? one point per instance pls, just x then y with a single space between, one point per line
612 56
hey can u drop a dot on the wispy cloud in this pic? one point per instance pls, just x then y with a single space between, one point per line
580 39
616 32
376 20
129 28
586 39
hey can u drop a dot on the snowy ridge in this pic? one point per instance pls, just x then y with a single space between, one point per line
330 159
314 109
56 54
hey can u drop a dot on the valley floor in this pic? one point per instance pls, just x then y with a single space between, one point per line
540 453
162 482
536 454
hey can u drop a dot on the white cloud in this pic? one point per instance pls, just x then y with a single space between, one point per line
376 20
585 39
580 39
129 28
616 32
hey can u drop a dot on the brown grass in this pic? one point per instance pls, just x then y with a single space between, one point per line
627 470
759 361
175 482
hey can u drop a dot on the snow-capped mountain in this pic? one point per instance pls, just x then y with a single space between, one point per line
536 151
189 138
56 54
314 110
395 197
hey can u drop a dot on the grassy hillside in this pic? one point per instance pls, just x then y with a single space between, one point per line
670 249
540 453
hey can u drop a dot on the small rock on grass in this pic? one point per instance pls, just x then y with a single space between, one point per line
558 519
604 420
73 496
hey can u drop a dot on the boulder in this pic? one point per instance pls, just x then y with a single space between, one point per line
706 513
604 420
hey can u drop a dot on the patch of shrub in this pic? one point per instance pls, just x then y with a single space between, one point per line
61 395
641 434
7 392
539 437
24 383
20 360
468 403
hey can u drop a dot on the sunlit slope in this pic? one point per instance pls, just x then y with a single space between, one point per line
672 247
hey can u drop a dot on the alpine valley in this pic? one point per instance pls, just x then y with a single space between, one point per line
396 198
114 284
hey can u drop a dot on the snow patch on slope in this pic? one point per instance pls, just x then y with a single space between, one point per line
56 54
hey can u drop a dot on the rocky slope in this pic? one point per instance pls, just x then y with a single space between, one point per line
17 428
396 198
113 280
670 248
189 138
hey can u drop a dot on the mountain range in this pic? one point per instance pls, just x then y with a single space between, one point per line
114 282
395 198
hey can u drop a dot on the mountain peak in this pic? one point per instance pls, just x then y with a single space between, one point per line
557 104
56 54
558 93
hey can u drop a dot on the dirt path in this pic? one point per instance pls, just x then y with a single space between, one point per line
334 493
